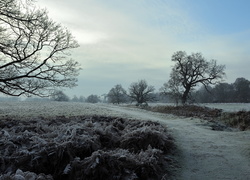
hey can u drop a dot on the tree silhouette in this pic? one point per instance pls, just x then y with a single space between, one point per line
189 70
141 92
34 51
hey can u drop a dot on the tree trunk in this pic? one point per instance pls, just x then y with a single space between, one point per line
185 95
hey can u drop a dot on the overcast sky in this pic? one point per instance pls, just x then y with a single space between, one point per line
123 41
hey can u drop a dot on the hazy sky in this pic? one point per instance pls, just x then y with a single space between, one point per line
123 41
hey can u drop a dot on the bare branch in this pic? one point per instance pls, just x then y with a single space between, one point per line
34 51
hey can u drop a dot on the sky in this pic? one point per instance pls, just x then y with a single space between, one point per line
122 42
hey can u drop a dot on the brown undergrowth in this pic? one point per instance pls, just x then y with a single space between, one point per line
86 147
189 111
221 120
240 119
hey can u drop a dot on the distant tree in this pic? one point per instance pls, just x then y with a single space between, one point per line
242 90
172 88
93 99
189 70
81 99
141 92
59 96
223 93
34 51
117 95
204 95
75 99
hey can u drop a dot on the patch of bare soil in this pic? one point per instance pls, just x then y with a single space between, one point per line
84 147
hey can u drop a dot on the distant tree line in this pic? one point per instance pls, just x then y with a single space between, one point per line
142 93
237 92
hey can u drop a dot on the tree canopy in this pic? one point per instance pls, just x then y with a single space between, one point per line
239 92
189 70
34 51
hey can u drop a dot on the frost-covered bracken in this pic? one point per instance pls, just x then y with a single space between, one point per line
82 147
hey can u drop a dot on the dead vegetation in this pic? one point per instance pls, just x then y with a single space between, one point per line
84 147
218 119
240 119
189 111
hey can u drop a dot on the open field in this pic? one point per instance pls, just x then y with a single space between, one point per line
202 152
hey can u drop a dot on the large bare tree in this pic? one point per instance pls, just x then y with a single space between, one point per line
34 51
141 92
190 70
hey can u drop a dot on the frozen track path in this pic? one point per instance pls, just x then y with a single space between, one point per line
205 154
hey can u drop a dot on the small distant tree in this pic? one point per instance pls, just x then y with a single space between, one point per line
75 99
189 70
59 96
117 95
172 88
81 99
93 99
141 92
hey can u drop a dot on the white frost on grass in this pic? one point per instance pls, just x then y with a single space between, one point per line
205 154
49 109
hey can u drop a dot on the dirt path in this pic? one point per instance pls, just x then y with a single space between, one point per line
205 154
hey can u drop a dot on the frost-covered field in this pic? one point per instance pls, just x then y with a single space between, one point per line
204 154
49 109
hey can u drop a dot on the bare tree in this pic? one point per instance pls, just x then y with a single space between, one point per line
141 92
117 94
172 88
34 51
189 70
